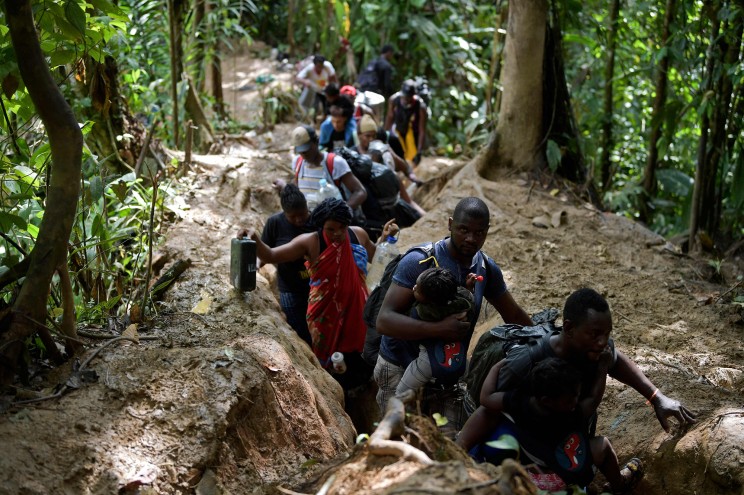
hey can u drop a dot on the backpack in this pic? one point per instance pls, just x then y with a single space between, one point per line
329 167
495 344
360 165
374 302
367 80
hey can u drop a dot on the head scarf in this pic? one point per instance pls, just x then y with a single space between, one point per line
331 209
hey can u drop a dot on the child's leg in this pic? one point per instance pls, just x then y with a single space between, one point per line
416 375
477 428
619 480
606 460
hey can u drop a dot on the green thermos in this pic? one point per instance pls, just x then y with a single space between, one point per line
243 264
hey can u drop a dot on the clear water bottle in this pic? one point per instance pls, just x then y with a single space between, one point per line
385 253
339 365
327 191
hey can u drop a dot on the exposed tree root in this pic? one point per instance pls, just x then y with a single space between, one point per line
393 425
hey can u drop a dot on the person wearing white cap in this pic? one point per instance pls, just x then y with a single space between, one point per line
311 165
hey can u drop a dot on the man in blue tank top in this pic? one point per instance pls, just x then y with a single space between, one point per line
460 253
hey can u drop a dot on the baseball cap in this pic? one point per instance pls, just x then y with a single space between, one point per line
367 124
303 137
348 90
409 87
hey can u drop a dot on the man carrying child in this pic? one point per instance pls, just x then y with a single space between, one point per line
460 253
584 343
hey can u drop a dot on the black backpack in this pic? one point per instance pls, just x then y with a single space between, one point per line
367 80
374 302
494 345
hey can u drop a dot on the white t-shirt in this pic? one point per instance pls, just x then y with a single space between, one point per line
319 79
308 177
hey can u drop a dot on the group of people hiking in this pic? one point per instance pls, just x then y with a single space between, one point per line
343 106
411 335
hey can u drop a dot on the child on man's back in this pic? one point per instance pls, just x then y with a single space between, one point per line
437 295
552 428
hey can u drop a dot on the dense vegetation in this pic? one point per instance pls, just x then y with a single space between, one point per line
657 95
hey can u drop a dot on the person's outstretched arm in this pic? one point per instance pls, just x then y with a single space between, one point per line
297 248
627 372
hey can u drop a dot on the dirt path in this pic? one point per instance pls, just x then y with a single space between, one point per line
228 399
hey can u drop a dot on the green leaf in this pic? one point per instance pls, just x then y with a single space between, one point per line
96 187
505 442
7 220
33 230
439 419
62 57
25 174
120 189
675 181
75 15
107 7
553 154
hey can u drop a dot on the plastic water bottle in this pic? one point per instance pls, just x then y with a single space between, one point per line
339 365
327 190
386 251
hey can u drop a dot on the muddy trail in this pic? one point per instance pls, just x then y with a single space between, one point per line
227 399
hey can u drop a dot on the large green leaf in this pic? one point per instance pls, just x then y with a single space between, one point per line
8 220
675 181
75 16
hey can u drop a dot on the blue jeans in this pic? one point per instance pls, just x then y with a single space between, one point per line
294 305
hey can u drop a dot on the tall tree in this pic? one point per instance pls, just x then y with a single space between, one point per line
662 76
515 144
66 143
718 122
606 141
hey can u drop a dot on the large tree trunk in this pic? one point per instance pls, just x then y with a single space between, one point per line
111 118
515 144
607 141
215 77
495 70
708 193
558 117
196 41
699 205
176 10
66 143
649 173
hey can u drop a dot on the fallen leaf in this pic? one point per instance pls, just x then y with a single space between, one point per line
131 332
202 307
554 192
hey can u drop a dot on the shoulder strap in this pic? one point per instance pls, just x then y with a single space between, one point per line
428 250
329 165
297 168
353 237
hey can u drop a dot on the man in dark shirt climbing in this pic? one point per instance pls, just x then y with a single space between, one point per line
378 75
